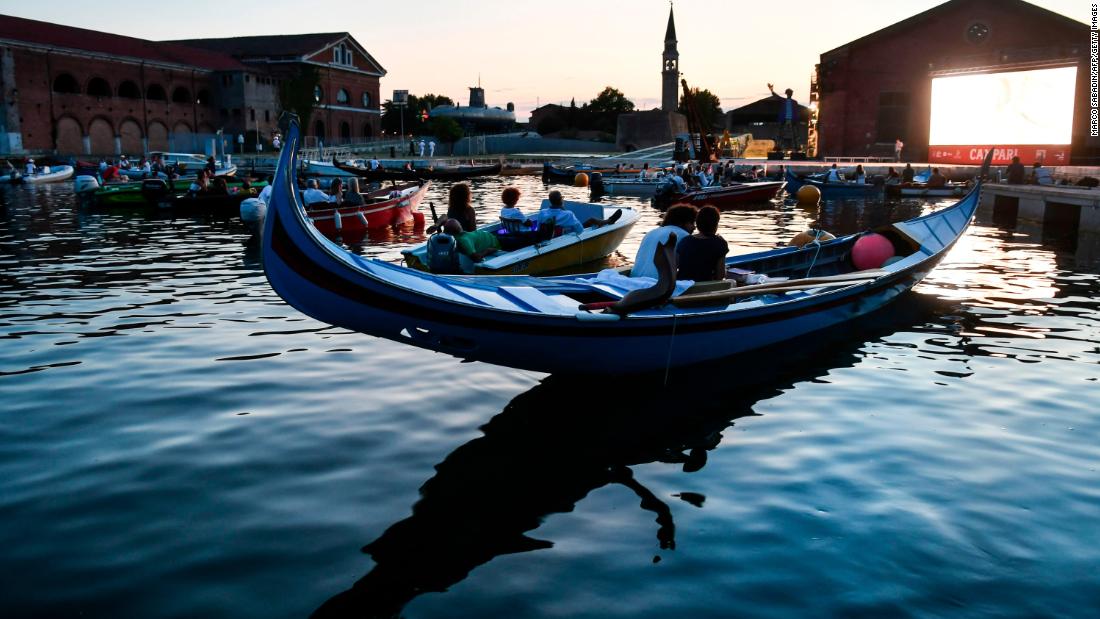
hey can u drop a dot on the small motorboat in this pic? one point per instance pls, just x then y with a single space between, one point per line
624 185
557 174
719 196
162 193
390 206
577 325
529 253
45 174
830 190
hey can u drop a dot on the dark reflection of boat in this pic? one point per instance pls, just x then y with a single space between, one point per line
549 449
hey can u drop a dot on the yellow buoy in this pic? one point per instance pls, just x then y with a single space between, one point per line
808 195
580 180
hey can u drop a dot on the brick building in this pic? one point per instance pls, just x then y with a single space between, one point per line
878 88
81 92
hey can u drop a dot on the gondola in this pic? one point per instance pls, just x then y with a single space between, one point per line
549 324
389 206
834 189
454 173
722 197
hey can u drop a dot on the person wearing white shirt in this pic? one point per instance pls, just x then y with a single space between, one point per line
833 176
553 210
679 221
30 167
422 145
313 195
431 148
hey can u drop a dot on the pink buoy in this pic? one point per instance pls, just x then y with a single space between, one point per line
871 251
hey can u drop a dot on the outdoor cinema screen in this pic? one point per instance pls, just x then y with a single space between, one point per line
1021 107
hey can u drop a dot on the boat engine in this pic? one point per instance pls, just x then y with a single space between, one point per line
85 183
442 254
154 190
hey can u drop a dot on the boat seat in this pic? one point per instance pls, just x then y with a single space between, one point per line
512 225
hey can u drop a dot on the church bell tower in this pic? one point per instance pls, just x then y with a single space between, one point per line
670 73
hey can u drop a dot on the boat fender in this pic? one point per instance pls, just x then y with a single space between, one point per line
871 250
442 253
813 235
336 219
418 221
362 219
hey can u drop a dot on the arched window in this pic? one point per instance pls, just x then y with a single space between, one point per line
129 90
155 92
342 96
203 97
66 84
341 54
318 94
98 87
181 95
366 99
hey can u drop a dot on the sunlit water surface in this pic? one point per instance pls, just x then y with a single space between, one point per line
175 441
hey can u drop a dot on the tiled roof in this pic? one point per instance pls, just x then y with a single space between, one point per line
58 36
267 45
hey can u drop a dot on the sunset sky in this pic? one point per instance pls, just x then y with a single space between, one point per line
530 52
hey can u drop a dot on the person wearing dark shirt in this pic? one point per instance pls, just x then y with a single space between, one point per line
458 207
211 167
907 173
1015 172
702 256
937 180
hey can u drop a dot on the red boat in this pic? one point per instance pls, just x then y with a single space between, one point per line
730 196
387 207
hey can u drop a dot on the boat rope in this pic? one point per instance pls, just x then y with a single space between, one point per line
671 341
817 243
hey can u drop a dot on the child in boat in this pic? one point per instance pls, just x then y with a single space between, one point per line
680 221
702 256
476 244
510 198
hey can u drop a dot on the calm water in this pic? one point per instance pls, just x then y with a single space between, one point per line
177 442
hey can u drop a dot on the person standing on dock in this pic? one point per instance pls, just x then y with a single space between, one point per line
422 145
1014 175
431 148
898 145
788 119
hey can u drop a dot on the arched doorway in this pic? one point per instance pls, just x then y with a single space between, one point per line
345 131
319 129
368 131
158 136
130 132
102 137
184 138
70 137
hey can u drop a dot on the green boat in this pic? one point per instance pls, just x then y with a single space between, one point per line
160 193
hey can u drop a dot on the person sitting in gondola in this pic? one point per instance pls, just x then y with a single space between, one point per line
702 256
336 191
860 175
680 221
833 176
313 196
892 176
907 173
476 244
937 180
352 197
200 185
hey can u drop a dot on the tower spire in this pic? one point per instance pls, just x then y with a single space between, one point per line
670 72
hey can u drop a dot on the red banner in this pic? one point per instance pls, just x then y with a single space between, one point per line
1049 155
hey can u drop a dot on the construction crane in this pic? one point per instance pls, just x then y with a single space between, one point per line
706 151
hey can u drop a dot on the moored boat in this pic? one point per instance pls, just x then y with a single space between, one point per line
558 174
719 196
624 185
444 173
528 253
160 193
922 190
545 324
46 174
843 189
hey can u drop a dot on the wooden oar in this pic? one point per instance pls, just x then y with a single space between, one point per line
777 287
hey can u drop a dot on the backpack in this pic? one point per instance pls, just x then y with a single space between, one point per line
443 254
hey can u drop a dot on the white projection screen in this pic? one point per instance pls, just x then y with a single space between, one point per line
1020 107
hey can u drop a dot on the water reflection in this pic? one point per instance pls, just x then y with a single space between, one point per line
560 441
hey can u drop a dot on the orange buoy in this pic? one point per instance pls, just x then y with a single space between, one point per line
809 236
808 195
580 180
871 251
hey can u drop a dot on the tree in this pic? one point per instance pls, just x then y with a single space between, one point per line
707 104
610 101
296 93
445 129
414 123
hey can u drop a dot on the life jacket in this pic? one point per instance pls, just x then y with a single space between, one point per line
443 254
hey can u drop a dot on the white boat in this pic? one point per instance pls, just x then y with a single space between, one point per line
187 163
625 185
47 174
